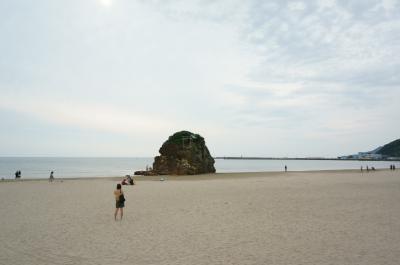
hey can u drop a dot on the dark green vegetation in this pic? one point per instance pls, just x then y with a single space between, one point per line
391 149
183 137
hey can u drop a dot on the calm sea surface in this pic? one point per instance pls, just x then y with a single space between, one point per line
40 167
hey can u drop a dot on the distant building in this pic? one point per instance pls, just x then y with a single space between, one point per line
365 156
369 155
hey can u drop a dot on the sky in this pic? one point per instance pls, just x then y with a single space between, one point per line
254 78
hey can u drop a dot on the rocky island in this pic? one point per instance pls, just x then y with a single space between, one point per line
184 153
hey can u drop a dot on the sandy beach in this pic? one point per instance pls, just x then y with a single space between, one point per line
322 217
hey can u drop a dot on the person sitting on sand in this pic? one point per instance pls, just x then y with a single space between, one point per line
127 180
119 201
124 182
130 180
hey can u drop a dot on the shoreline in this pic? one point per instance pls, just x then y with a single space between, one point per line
208 176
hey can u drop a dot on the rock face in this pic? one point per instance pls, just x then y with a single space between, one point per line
184 153
145 173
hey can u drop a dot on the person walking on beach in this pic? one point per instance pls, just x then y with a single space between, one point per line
119 201
51 178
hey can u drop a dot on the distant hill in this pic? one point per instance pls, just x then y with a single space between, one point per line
388 151
391 149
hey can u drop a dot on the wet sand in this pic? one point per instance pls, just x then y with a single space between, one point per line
321 217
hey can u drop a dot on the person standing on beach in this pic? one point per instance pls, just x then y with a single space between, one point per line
119 201
285 168
51 178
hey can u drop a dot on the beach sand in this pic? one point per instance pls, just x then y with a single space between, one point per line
322 217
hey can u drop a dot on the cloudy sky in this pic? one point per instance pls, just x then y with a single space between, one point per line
255 78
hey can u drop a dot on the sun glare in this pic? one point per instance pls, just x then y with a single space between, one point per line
106 3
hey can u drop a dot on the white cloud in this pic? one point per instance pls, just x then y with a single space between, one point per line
326 3
389 5
297 6
89 116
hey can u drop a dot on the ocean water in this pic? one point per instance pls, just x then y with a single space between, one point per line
71 167
40 167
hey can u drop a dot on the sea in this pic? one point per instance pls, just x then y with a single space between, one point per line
79 167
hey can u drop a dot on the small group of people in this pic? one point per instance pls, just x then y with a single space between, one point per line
18 174
128 180
368 169
392 167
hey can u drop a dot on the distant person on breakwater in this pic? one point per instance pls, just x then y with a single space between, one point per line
119 201
51 178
